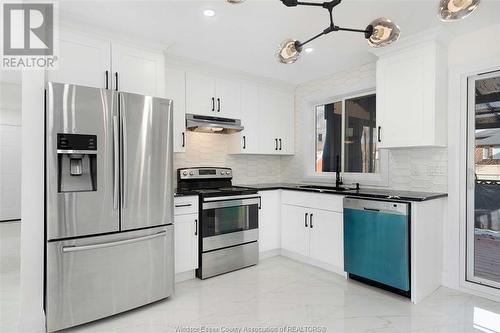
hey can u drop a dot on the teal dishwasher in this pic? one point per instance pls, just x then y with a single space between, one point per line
377 243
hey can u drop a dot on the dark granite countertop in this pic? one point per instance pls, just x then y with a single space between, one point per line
183 193
377 193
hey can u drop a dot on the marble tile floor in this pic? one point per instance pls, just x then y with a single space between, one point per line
276 293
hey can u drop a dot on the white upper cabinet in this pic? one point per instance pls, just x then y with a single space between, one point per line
268 118
209 96
228 98
139 71
175 86
200 94
248 141
83 60
102 63
411 96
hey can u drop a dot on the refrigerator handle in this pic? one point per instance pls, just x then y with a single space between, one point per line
66 249
124 153
116 163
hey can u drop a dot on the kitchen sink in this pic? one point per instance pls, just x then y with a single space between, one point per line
325 188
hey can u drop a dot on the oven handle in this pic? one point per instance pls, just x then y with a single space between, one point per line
230 203
232 197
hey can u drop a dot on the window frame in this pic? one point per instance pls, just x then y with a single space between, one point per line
374 179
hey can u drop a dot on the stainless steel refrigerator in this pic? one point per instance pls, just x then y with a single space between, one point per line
109 203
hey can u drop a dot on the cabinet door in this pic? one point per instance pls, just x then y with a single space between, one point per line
294 233
175 82
327 237
200 95
228 94
82 61
270 126
285 109
186 242
139 71
248 140
269 221
405 95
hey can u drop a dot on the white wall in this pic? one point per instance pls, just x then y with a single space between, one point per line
422 169
10 149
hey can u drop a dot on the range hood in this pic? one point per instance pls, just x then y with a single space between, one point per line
208 124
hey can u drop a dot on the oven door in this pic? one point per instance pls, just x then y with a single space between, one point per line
229 221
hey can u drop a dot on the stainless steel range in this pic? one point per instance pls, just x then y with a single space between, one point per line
229 220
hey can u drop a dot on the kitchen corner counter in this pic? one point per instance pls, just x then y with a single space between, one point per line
376 193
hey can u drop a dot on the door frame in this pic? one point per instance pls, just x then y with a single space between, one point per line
457 175
470 182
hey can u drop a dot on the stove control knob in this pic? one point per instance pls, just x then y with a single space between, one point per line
191 173
228 173
184 173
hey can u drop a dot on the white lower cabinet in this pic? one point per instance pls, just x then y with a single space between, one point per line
312 227
270 221
186 228
326 242
294 232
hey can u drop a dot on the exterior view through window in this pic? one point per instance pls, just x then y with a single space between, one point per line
346 136
483 217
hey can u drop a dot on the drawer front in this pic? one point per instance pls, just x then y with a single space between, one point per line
331 202
186 205
97 277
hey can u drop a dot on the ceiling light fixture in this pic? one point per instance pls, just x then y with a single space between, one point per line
453 10
209 12
380 32
308 49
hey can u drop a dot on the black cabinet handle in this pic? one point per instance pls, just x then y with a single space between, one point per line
311 221
213 103
196 227
280 144
116 81
260 202
183 205
275 144
244 142
378 134
218 104
305 220
107 80
183 139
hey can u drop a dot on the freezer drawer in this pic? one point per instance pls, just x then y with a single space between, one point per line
96 277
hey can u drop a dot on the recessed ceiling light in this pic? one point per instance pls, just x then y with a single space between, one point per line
309 50
209 12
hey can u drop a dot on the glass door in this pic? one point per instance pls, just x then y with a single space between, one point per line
483 180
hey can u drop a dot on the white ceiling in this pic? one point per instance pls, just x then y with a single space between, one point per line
245 37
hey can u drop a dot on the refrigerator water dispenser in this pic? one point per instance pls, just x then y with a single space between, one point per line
77 162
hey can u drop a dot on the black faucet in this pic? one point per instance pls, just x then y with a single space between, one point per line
338 179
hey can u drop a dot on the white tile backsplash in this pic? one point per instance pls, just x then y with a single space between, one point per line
206 149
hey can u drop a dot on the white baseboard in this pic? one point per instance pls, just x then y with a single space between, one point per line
270 253
184 276
313 262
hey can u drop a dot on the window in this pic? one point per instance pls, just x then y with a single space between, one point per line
346 136
486 153
495 152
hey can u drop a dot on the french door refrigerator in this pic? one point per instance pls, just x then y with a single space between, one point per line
109 203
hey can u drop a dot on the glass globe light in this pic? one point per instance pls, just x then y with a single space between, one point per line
383 32
453 10
289 51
